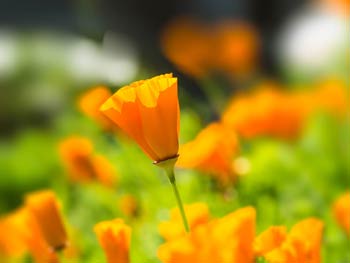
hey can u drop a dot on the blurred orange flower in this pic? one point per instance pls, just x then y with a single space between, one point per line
44 208
269 239
267 111
228 239
82 164
302 244
148 111
114 237
270 111
12 243
330 95
38 246
196 213
237 47
187 44
341 211
90 102
129 205
211 151
197 48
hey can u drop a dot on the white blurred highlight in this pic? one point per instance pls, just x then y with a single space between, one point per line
313 38
241 165
8 53
115 61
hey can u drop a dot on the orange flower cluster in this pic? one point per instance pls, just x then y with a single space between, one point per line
197 49
36 228
82 164
211 151
341 211
114 236
302 244
270 111
148 111
197 214
228 239
90 102
232 239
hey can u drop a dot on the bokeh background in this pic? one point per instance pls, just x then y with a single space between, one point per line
52 52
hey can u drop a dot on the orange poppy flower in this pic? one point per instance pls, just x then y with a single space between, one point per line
341 208
228 239
237 47
38 246
330 96
187 44
90 102
211 151
11 239
44 208
82 164
148 111
302 244
269 239
267 111
129 205
196 213
114 236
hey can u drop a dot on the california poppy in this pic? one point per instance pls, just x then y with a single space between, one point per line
83 164
12 243
114 237
148 111
237 47
197 214
187 44
341 208
271 238
44 208
302 244
227 239
211 151
90 102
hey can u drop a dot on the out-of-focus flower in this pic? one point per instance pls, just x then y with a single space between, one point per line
187 44
237 47
198 49
114 237
38 246
268 111
148 111
82 164
129 205
90 103
11 239
330 95
196 213
269 239
211 151
228 239
341 211
44 208
302 244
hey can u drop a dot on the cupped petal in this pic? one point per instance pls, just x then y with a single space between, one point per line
159 110
124 112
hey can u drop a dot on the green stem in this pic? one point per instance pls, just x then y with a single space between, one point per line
171 176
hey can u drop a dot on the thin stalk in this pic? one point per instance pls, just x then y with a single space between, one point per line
171 176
